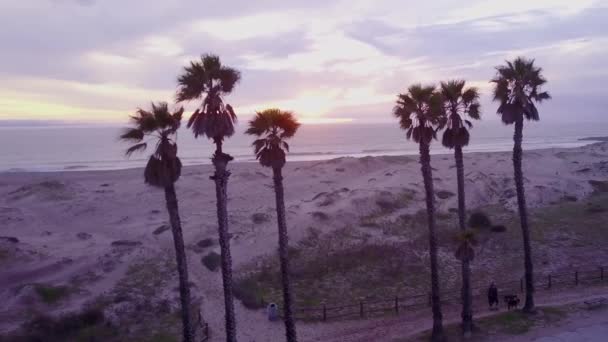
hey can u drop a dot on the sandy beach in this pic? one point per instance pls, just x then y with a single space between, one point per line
102 235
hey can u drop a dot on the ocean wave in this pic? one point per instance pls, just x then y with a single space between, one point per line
75 167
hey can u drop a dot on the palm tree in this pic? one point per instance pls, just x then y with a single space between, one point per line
419 113
458 105
275 126
517 87
163 170
210 80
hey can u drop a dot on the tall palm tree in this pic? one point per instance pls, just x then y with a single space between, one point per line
209 80
163 170
459 104
274 127
517 87
419 113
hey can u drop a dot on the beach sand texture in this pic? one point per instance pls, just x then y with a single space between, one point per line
99 232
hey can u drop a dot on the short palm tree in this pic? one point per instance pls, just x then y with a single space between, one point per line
460 104
273 127
517 87
163 170
209 80
466 243
419 113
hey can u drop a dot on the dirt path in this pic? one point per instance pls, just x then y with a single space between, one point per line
411 324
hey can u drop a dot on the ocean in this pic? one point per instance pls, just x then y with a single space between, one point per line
74 148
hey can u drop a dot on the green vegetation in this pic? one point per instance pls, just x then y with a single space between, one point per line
4 255
259 218
249 290
86 326
505 323
344 265
599 187
204 243
51 294
319 215
145 314
444 194
479 220
387 203
212 261
333 267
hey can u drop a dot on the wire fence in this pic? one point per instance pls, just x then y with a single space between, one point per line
365 308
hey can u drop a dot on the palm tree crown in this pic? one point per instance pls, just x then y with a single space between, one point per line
163 167
458 104
418 112
210 79
517 87
276 126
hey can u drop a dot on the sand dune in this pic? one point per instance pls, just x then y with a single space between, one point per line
84 230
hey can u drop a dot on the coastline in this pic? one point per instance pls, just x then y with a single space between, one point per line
307 157
69 226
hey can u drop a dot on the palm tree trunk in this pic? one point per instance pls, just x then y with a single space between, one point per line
467 302
523 213
220 161
182 262
427 176
290 326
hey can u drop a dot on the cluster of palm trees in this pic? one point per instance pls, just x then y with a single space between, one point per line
209 81
422 111
425 110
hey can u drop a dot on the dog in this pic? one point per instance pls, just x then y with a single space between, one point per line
512 301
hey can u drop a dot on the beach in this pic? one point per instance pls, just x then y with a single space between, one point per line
86 230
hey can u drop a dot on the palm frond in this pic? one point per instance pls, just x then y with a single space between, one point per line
273 125
517 87
228 78
163 167
132 134
192 118
134 148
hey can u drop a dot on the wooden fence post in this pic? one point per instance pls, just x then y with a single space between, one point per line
576 278
549 281
324 313
361 308
521 285
396 305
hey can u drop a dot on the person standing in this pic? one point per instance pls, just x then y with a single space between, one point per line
493 296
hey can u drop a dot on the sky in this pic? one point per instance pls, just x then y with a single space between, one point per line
328 61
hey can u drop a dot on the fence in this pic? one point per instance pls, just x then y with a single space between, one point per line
374 307
204 328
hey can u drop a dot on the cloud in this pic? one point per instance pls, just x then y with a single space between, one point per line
327 60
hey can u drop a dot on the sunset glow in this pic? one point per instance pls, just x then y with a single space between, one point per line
327 62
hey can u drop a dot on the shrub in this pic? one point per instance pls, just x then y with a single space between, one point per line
248 292
321 216
51 294
387 205
88 325
499 229
444 194
212 261
479 220
204 243
595 208
599 186
258 218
